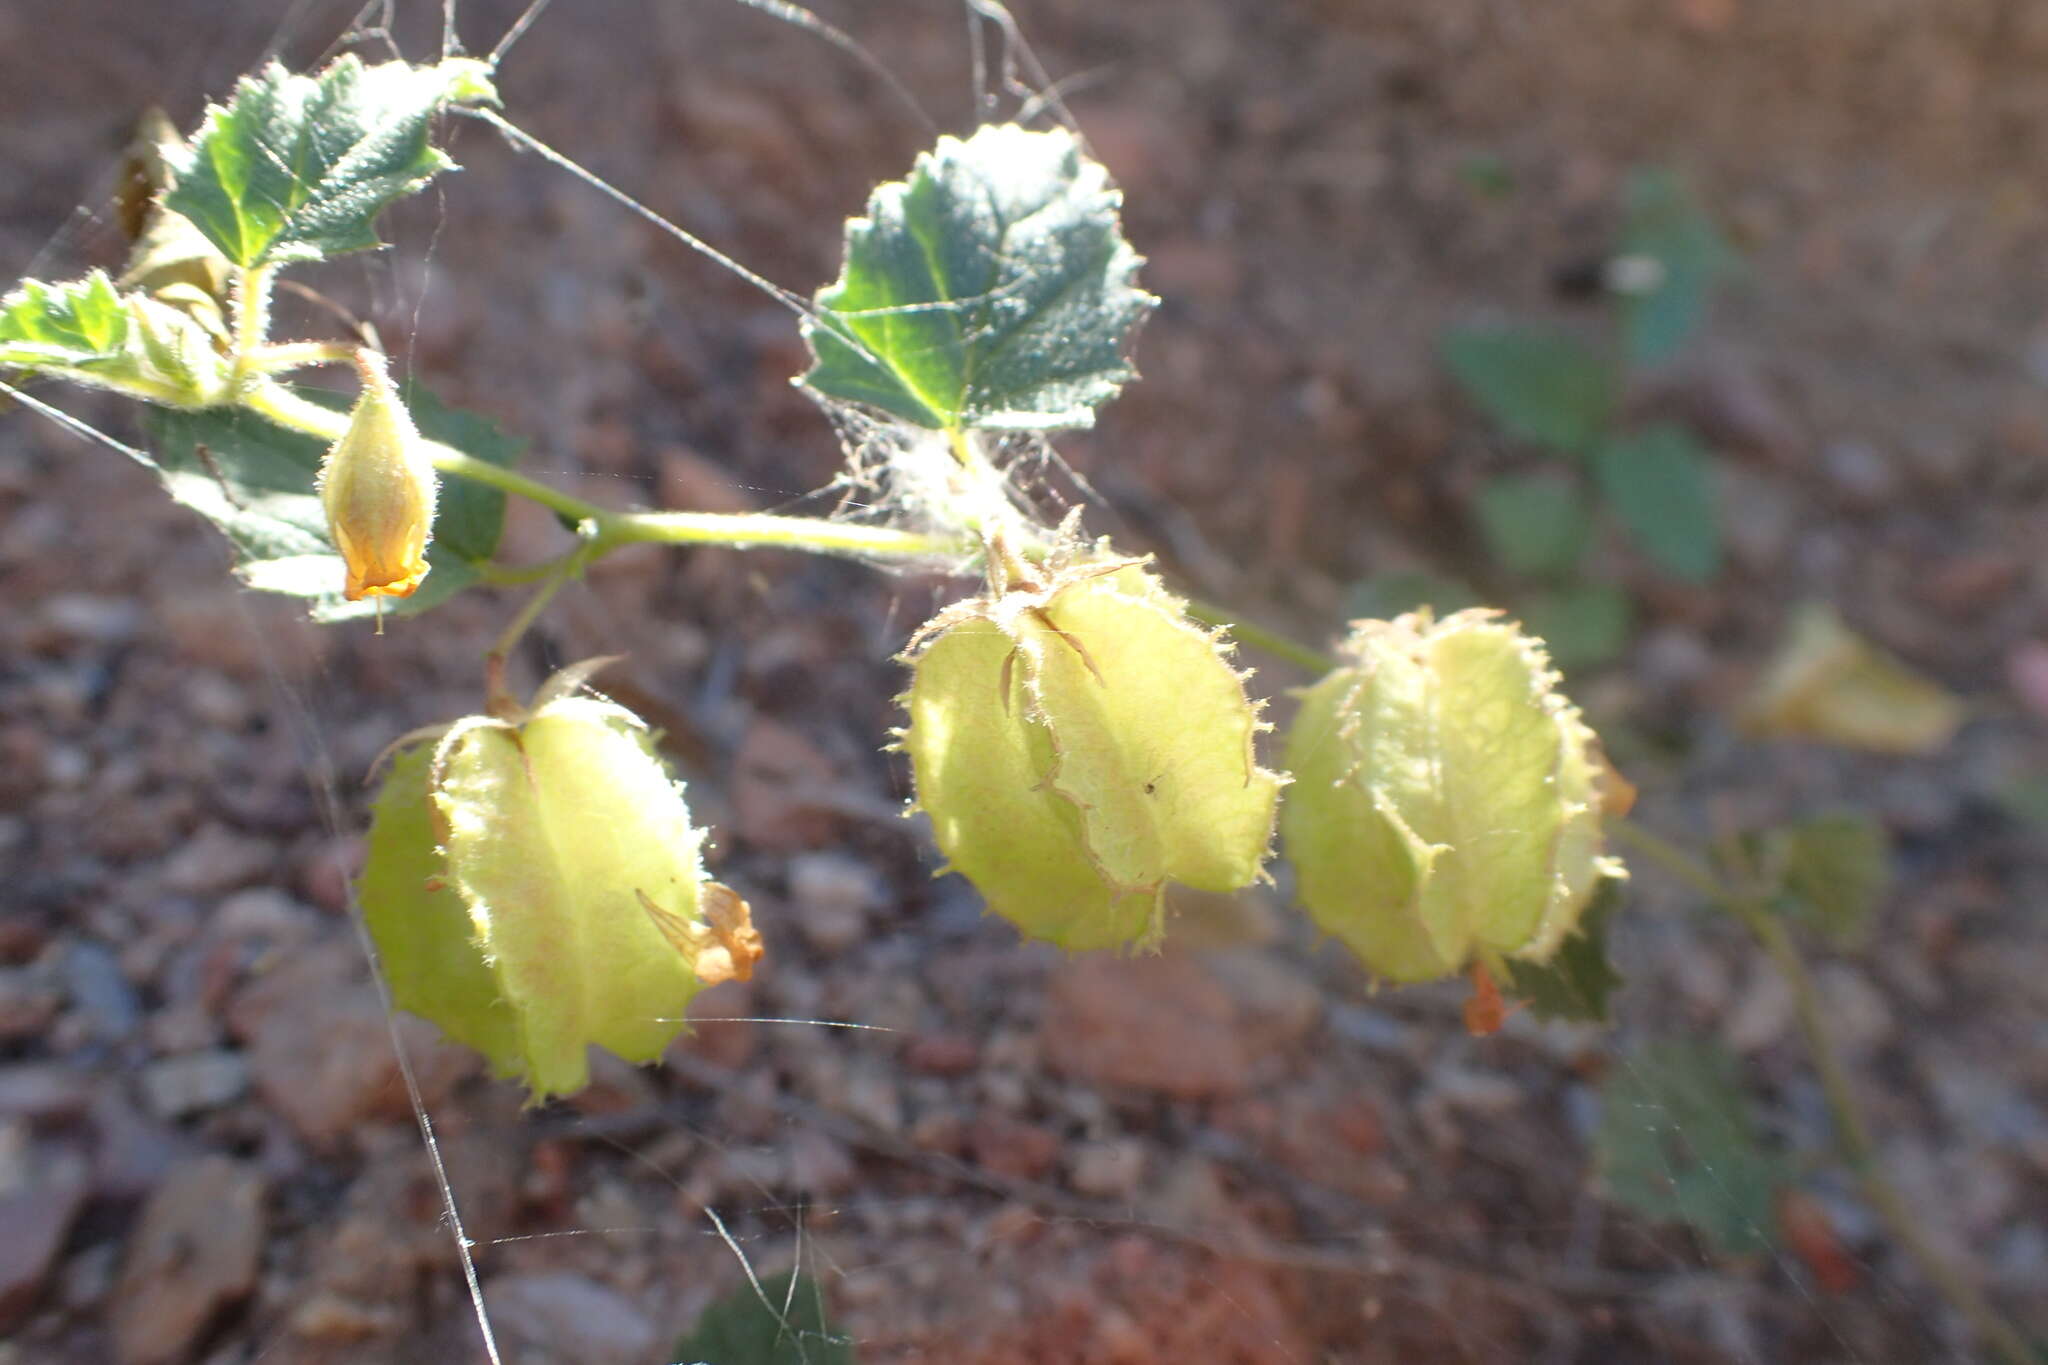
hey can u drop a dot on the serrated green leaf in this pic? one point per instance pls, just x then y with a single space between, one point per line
297 168
779 1322
1579 980
1684 256
1539 386
89 332
1660 483
1677 1143
992 289
254 480
425 941
1583 626
1837 868
559 834
1533 523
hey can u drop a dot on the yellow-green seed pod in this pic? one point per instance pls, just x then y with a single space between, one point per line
534 888
1078 744
1447 799
377 486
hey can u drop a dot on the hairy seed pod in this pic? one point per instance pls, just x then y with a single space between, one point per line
534 887
377 486
1078 744
1447 799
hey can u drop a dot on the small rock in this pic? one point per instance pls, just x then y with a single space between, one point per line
784 790
29 1000
42 1188
320 1049
1762 1013
1277 1003
42 1092
263 912
1154 1023
177 1086
570 1317
193 1254
1112 1169
1858 1015
99 620
216 859
833 895
1011 1148
819 1165
1859 472
101 994
942 1055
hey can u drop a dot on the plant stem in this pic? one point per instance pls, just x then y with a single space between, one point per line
1852 1128
614 528
497 699
1258 637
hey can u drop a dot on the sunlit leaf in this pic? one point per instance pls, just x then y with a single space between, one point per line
1828 683
90 332
1538 385
297 168
992 289
1677 1143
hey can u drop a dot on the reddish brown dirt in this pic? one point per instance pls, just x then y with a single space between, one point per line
180 763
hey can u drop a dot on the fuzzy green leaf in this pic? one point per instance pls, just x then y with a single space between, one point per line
1685 256
90 332
1660 483
1538 385
254 480
425 940
992 289
1677 1143
780 1321
1534 523
555 831
297 168
1576 983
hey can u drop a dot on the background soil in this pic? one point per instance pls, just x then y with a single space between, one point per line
1234 1152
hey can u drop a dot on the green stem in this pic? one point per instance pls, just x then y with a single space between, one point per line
498 699
294 355
1258 637
1852 1128
615 528
250 303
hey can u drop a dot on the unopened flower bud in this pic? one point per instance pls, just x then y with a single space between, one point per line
377 486
1447 799
1078 744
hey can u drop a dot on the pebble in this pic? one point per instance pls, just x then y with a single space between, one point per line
217 859
1152 1023
100 993
833 895
1011 1148
1762 1013
174 1087
42 1189
194 1252
1113 1168
263 912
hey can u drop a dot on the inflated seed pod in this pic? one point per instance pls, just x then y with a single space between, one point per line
1078 743
534 888
1447 799
378 488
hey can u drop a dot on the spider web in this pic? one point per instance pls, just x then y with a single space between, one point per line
875 1111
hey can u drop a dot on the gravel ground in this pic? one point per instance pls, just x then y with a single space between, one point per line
1235 1151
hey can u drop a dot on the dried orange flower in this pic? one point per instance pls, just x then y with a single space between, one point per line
378 488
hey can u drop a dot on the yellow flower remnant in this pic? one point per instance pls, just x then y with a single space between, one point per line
377 487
